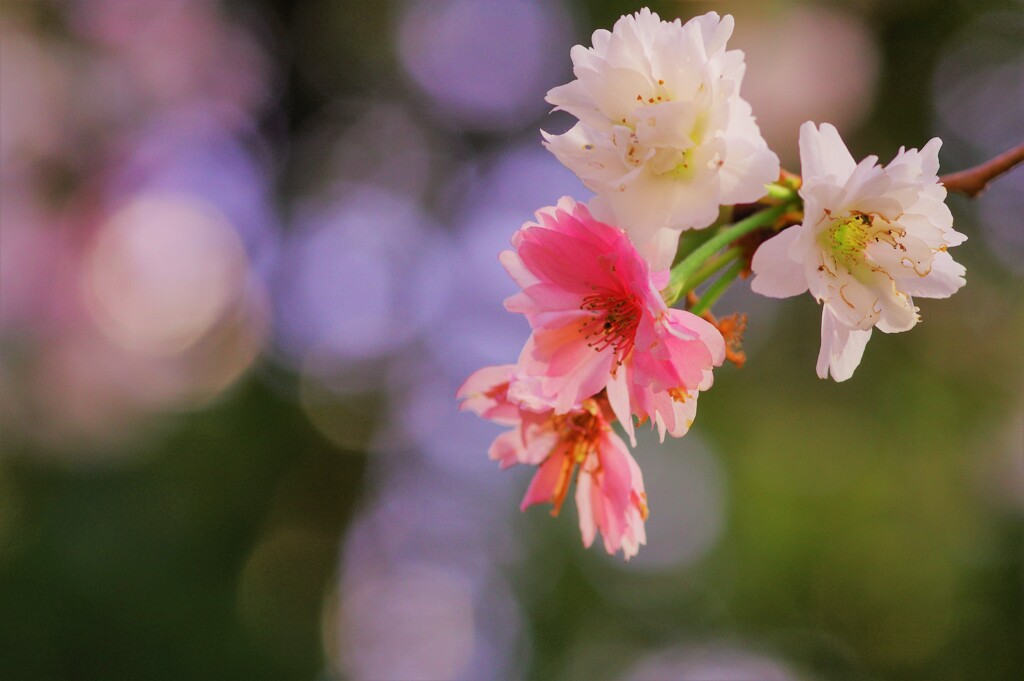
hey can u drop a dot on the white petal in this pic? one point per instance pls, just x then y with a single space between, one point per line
819 197
930 157
930 210
841 347
660 249
856 303
911 165
747 168
589 154
897 311
867 180
575 99
714 31
667 125
599 39
944 279
615 90
776 273
652 202
911 258
823 154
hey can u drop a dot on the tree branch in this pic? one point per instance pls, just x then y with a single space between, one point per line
974 180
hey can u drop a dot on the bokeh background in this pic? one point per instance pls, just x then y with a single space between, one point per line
248 251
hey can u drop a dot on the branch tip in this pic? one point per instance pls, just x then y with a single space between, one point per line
973 181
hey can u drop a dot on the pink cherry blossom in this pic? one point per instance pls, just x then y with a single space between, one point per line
580 444
600 322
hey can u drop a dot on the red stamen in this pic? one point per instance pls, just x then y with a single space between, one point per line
613 323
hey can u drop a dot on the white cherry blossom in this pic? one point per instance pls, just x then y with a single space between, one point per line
872 238
663 137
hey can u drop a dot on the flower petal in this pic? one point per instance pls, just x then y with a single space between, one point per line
823 154
776 273
944 279
664 137
547 480
841 347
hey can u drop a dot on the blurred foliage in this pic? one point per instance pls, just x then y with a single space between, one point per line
207 557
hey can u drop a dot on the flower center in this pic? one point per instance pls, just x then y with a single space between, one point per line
581 430
612 323
847 238
579 434
684 169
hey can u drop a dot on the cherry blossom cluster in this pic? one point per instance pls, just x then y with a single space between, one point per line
687 193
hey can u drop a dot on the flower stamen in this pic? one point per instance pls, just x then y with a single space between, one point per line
613 324
579 434
847 238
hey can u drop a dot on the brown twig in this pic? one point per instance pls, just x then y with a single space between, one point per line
974 180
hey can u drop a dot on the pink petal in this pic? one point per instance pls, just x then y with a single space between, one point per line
508 449
585 508
477 393
546 481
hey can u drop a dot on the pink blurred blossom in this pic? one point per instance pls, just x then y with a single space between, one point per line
174 53
610 493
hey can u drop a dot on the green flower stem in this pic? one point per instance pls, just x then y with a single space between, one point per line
781 192
709 268
682 272
692 239
713 265
716 289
